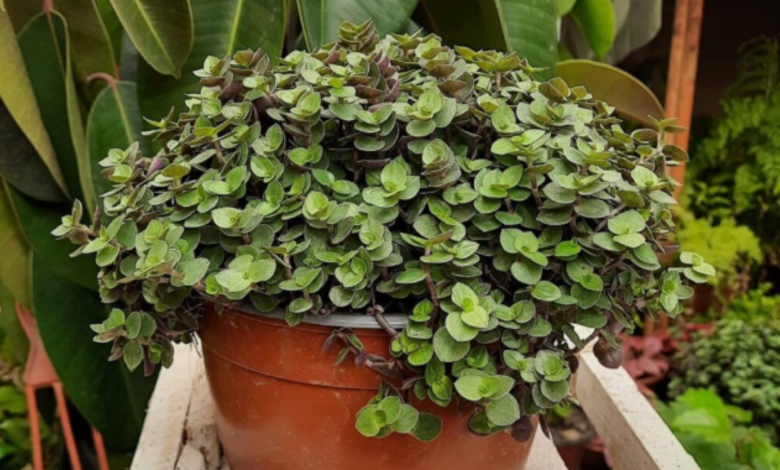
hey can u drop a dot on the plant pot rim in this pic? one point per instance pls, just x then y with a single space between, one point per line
335 320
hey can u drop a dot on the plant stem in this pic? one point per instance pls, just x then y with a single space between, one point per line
611 214
380 318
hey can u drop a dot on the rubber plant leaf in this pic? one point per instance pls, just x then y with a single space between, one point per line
321 20
28 160
222 27
13 267
633 99
114 122
45 47
596 20
161 31
110 397
526 26
37 219
89 37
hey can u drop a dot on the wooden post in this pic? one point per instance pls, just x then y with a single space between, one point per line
680 93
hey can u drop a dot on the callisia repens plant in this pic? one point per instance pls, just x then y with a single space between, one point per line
396 176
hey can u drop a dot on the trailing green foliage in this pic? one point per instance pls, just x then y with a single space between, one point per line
717 435
739 359
68 57
735 172
396 176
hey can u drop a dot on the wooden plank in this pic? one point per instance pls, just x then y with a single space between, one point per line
637 437
161 437
201 427
544 455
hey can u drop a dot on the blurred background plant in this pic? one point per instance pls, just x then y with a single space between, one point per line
717 435
739 359
734 173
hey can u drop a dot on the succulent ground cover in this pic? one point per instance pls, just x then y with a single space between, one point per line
396 176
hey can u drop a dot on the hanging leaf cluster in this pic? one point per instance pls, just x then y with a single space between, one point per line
397 176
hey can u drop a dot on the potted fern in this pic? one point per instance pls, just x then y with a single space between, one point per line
385 239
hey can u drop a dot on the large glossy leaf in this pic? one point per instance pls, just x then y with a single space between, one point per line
532 26
473 23
161 30
632 99
321 18
15 346
526 26
90 42
45 47
596 19
37 220
106 393
222 27
13 263
639 23
114 122
20 11
27 161
113 27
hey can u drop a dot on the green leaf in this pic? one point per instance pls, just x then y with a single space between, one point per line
591 319
410 276
28 161
226 217
37 220
546 291
321 20
632 99
113 399
193 270
592 282
45 47
222 27
14 267
428 427
447 348
407 420
113 122
368 422
626 223
504 411
391 407
555 391
161 31
458 329
631 240
15 346
592 209
90 40
422 355
526 26
527 272
596 20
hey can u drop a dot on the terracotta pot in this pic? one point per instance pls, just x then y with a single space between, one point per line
281 404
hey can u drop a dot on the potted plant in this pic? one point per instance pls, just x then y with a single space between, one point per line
435 219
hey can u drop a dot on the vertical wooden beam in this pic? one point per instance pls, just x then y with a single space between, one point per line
683 67
680 92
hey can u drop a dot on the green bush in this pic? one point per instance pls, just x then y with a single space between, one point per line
718 436
735 170
739 359
734 250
